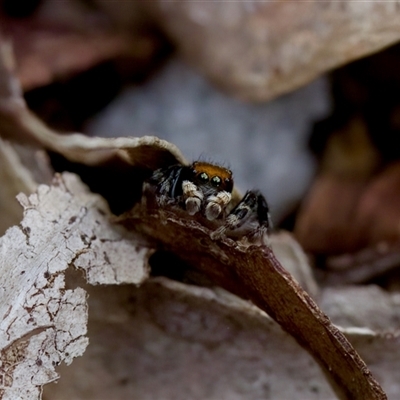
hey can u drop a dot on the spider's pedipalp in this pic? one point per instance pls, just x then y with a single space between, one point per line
216 204
193 197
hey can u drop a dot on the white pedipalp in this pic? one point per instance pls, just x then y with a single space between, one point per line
216 204
193 197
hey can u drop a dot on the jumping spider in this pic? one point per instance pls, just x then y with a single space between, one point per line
205 189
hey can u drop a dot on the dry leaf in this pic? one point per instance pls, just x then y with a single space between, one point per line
83 241
20 124
62 39
174 341
259 50
64 224
361 266
362 307
42 323
345 215
256 274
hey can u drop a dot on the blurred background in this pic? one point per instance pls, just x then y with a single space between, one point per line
300 100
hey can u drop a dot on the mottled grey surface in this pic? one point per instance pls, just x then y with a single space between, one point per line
264 144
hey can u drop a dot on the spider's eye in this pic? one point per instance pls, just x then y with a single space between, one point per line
216 181
203 177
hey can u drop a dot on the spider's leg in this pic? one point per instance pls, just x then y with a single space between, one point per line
160 188
250 218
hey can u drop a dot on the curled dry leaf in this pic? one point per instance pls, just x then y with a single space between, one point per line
131 157
18 123
46 55
366 215
353 202
254 273
326 222
325 225
259 50
174 341
42 323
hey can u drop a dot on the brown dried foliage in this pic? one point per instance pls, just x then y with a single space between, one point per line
253 273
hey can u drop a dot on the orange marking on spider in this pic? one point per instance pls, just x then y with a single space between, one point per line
218 176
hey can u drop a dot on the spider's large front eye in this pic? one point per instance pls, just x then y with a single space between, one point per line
216 181
203 177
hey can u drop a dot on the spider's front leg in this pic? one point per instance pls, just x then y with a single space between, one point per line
159 189
250 219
